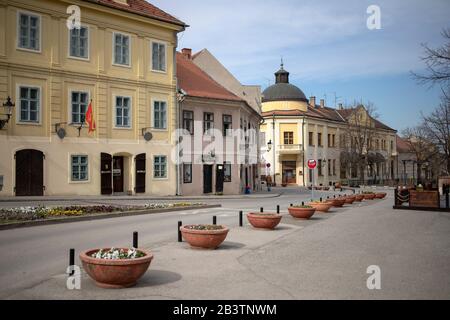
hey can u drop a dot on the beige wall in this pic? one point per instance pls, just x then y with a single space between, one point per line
56 74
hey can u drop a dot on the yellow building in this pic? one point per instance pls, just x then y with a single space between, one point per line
296 130
121 59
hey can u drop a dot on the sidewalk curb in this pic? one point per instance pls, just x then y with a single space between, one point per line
87 199
28 224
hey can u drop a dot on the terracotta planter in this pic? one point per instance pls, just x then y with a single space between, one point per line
321 206
336 202
206 239
380 195
264 221
301 213
349 199
115 274
369 196
359 197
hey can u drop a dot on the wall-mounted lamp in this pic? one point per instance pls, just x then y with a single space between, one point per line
269 145
146 134
8 105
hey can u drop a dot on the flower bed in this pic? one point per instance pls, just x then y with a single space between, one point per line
30 213
117 254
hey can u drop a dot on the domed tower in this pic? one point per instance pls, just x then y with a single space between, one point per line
283 95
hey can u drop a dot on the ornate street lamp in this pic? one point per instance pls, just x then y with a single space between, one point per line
8 105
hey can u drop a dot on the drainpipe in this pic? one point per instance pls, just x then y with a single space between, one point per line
177 123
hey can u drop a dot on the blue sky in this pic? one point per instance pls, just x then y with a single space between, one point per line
326 46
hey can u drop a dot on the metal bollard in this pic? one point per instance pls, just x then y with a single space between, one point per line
72 260
261 210
180 239
214 220
278 209
241 223
135 240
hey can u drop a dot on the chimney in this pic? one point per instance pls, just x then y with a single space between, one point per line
187 53
322 103
340 106
312 101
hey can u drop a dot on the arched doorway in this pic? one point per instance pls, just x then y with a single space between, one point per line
29 173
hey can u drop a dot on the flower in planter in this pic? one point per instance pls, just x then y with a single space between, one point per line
118 254
302 206
204 227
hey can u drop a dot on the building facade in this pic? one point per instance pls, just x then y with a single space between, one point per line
121 62
219 149
297 130
250 113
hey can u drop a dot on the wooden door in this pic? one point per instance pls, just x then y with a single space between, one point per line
117 174
219 178
106 173
29 173
207 178
140 173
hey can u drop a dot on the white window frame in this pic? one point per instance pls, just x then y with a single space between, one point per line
165 55
69 103
88 45
18 105
153 115
114 49
71 181
167 167
29 13
130 116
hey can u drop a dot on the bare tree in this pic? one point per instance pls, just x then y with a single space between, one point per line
423 149
437 61
436 127
358 139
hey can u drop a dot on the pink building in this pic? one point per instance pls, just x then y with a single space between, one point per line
220 140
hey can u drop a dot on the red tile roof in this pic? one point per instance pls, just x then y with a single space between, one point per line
142 8
403 145
196 83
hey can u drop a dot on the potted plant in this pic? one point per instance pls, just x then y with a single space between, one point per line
336 202
204 236
264 220
368 195
359 197
380 195
301 212
320 206
116 267
349 199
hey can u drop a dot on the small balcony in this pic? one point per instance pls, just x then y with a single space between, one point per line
290 148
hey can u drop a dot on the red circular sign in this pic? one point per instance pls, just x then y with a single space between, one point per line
312 164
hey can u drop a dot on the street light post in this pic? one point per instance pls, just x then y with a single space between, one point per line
274 142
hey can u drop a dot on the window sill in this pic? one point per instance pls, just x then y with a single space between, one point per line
29 50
